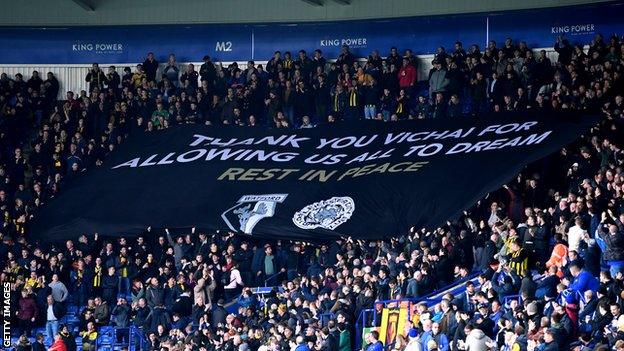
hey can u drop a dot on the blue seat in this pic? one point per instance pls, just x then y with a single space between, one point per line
106 340
107 330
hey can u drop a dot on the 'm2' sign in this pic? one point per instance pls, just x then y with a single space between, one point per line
224 46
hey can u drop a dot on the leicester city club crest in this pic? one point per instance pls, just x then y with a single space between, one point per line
328 214
250 209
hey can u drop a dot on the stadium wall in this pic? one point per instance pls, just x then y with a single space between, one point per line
69 51
123 12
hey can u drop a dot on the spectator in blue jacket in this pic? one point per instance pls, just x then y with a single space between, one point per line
504 281
548 285
440 338
583 280
246 298
372 340
427 333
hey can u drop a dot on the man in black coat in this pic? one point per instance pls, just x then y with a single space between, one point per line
110 286
96 77
244 258
141 312
455 108
328 342
121 312
154 294
495 89
219 314
614 243
183 305
150 66
158 315
68 338
41 297
208 72
488 252
564 49
38 345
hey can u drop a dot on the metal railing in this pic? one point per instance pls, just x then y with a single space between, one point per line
272 278
359 325
137 339
431 299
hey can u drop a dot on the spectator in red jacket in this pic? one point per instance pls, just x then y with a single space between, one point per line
27 312
59 344
407 75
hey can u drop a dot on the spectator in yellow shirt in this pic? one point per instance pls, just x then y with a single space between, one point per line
138 76
88 337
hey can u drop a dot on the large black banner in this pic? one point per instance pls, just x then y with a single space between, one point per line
368 180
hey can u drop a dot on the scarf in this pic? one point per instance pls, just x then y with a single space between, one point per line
97 277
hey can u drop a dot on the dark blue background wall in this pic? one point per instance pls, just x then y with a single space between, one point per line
127 44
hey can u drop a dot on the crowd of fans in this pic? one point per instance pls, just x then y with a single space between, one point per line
554 236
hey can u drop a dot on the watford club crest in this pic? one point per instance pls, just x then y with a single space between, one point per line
251 209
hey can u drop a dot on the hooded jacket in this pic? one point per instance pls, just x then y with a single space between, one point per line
477 341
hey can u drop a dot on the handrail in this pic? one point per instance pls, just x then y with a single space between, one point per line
142 338
266 281
106 330
359 325
449 286
434 296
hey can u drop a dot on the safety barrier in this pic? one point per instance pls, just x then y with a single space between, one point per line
272 278
431 299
